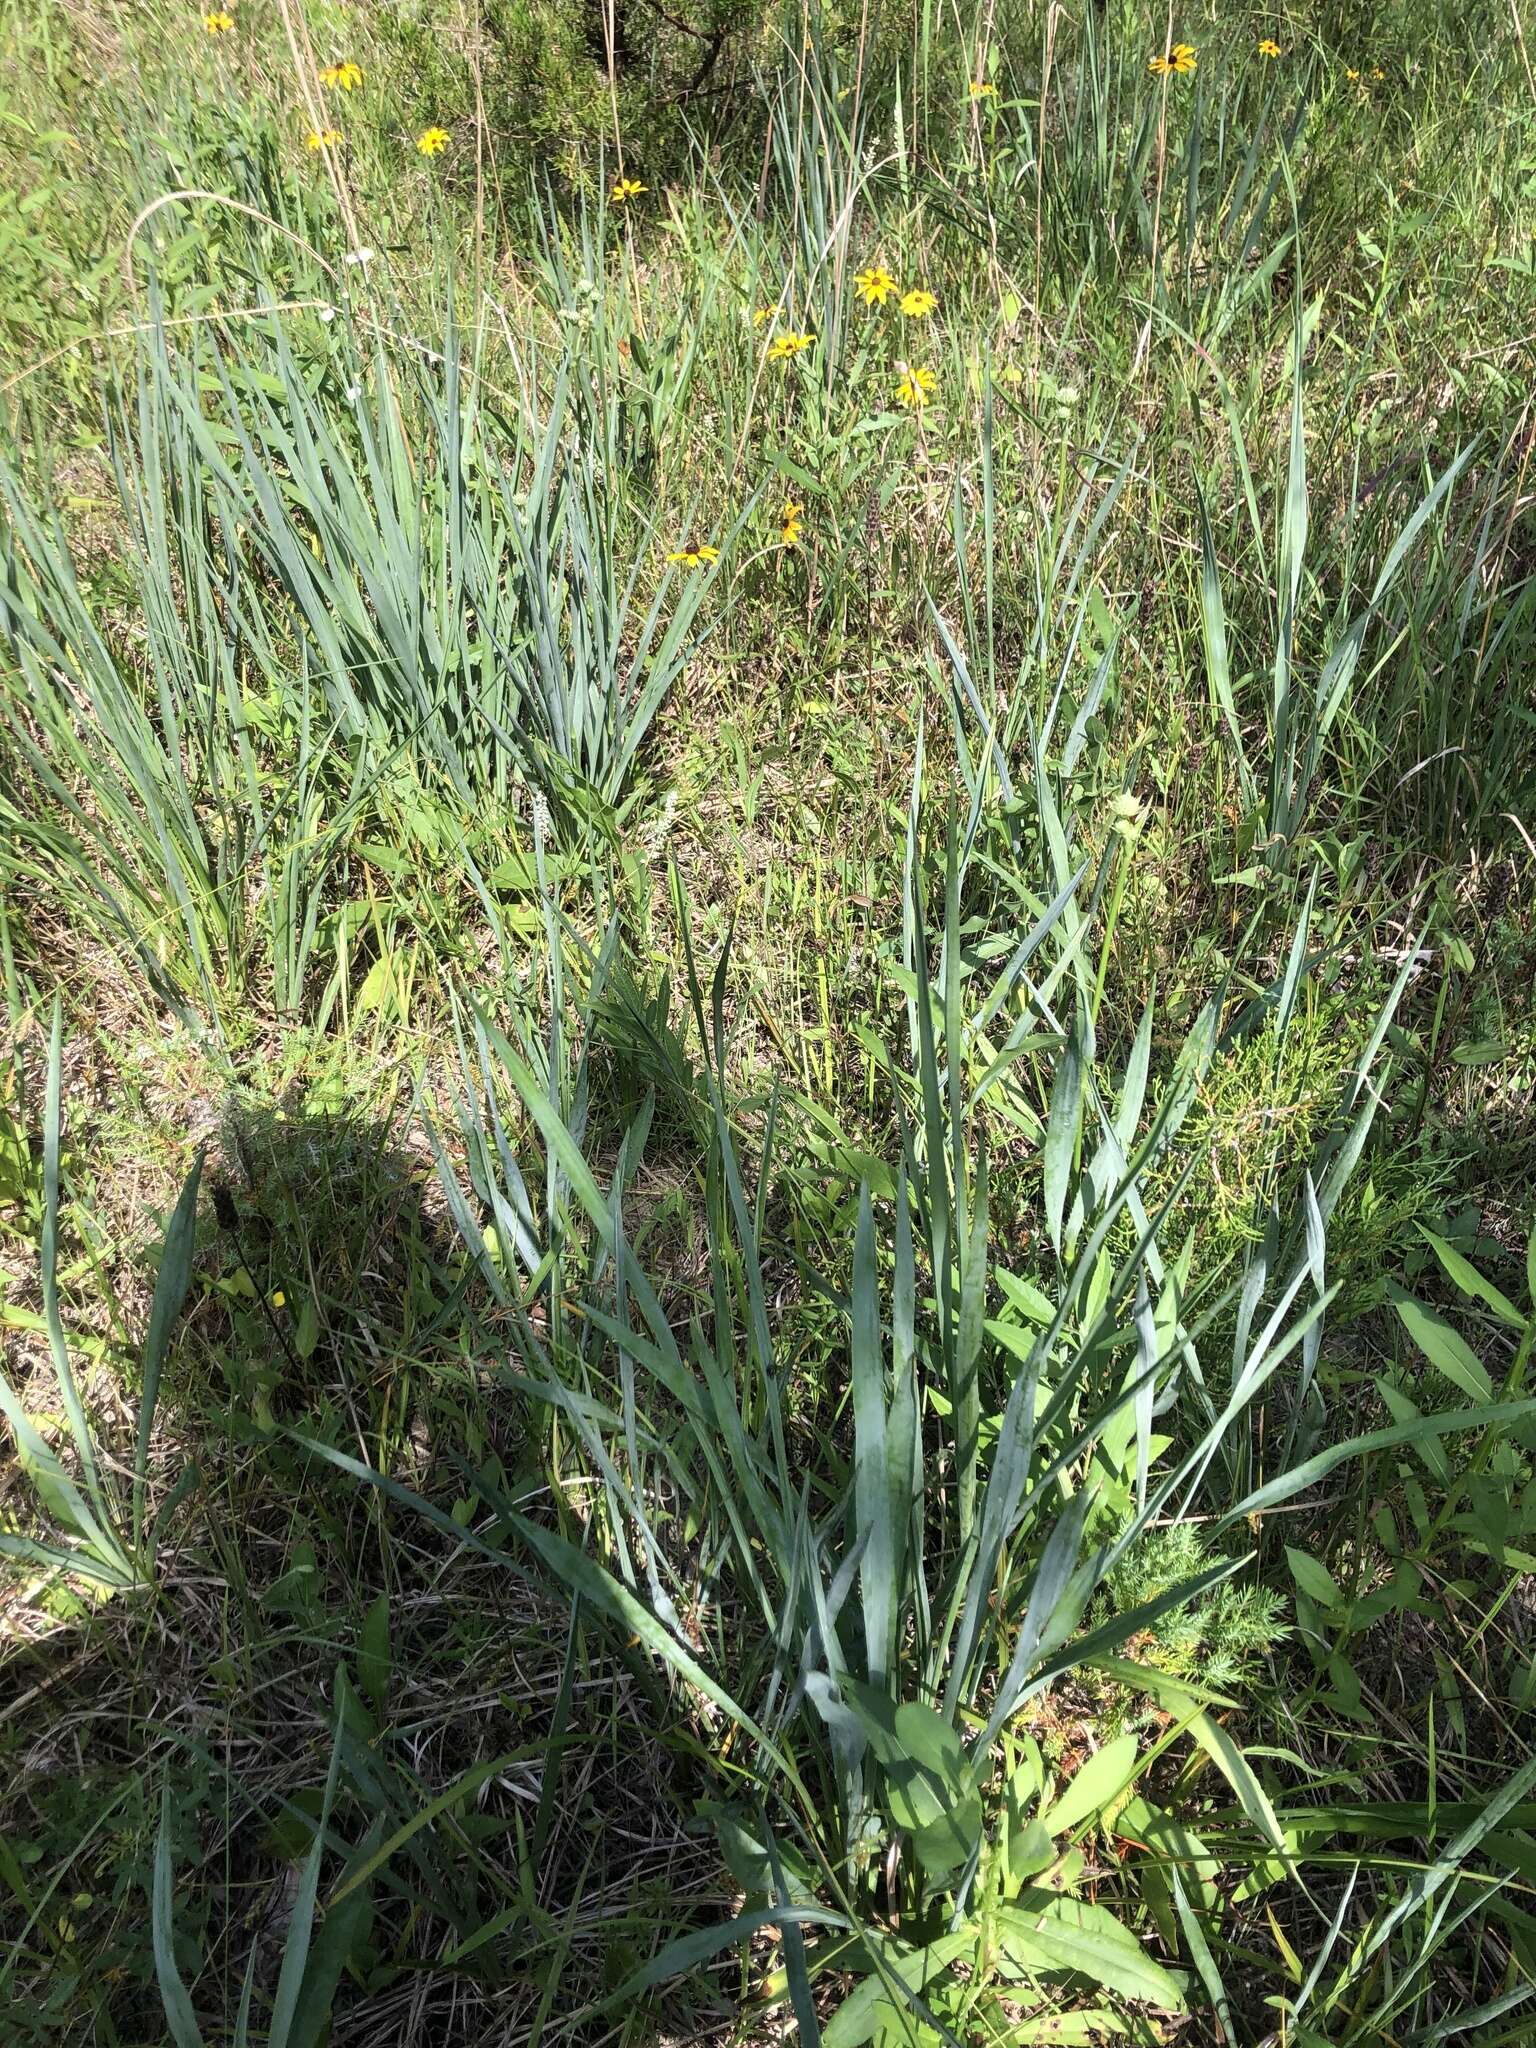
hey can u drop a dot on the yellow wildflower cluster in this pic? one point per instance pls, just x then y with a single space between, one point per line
347 76
1182 59
875 285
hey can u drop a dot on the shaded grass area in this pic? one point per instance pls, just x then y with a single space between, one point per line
327 1300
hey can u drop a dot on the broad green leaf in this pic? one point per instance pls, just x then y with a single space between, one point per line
928 1790
857 2017
1049 1932
1029 1852
1239 1774
1480 1052
1031 1301
1166 1837
1471 1282
380 989
929 1740
1094 1786
945 1844
373 1653
306 1333
1403 1410
1313 1580
1446 1349
748 1860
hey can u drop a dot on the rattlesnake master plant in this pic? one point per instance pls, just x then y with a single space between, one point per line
881 1624
874 1627
350 580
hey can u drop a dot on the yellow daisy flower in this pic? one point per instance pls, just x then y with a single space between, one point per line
626 189
918 304
914 387
783 346
983 89
1180 59
764 314
1352 76
345 77
1269 47
219 22
875 285
322 138
433 141
789 523
695 555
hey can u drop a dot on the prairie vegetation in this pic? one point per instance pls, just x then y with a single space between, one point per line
766 1168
